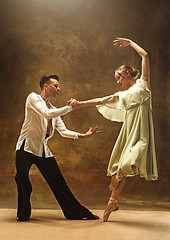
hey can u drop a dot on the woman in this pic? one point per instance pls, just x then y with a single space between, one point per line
134 150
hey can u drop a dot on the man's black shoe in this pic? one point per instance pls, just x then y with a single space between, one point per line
92 217
21 219
89 217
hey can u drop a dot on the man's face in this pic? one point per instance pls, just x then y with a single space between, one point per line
52 89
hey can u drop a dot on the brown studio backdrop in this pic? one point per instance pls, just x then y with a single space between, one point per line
74 40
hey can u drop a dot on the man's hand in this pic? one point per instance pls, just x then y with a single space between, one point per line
90 132
74 103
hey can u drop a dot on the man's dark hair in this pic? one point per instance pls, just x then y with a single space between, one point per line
46 79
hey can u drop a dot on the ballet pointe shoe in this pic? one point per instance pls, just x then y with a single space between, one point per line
111 206
114 182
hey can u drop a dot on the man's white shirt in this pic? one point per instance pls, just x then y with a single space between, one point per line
34 127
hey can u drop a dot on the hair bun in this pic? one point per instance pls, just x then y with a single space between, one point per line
135 73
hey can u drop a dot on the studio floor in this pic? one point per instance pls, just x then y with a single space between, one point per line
48 224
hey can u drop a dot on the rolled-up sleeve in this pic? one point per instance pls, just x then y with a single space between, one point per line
64 132
39 106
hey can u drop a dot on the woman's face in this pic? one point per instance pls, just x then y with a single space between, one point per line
123 78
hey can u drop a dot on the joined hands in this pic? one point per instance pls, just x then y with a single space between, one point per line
73 102
92 131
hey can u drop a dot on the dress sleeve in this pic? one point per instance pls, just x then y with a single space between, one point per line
143 84
146 94
112 107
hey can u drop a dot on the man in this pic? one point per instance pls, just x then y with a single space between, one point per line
41 119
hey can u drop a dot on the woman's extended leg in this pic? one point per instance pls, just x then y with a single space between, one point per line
112 204
115 194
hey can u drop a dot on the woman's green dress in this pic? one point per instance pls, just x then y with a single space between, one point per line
135 143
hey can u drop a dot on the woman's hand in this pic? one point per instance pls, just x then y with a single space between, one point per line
122 42
89 133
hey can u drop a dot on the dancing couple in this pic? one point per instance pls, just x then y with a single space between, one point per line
133 153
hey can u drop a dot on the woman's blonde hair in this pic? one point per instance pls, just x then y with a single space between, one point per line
124 68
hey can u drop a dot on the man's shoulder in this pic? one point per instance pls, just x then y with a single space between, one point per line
33 97
32 94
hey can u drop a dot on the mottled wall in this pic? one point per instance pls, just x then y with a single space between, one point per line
73 38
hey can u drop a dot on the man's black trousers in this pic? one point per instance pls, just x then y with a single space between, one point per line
48 167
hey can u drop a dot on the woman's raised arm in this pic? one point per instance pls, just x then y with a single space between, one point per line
124 42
